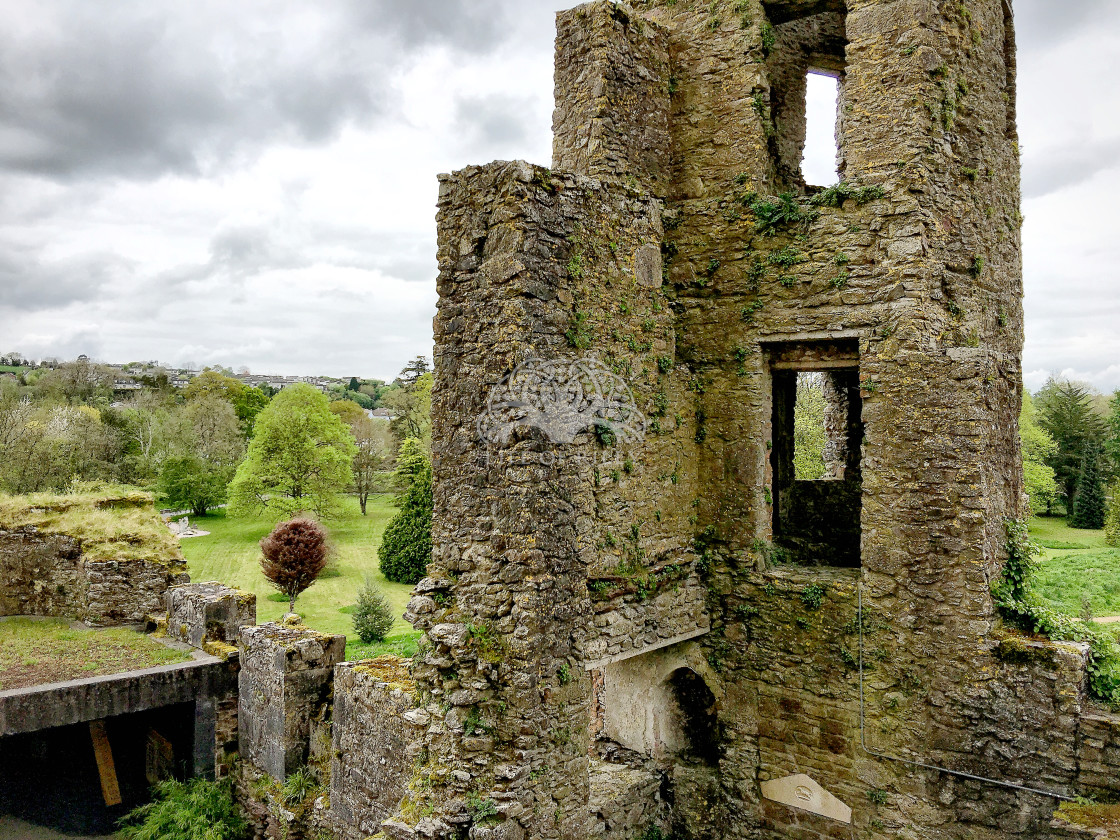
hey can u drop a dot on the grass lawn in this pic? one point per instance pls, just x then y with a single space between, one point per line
38 651
231 554
1076 565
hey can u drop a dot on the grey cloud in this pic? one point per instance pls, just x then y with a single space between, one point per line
493 122
1040 23
1057 168
470 25
140 90
28 283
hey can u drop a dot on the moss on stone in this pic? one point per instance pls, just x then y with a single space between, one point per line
1091 815
389 669
112 523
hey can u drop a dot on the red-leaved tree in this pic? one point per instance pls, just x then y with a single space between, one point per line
294 555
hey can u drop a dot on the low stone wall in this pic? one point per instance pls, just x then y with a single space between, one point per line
373 746
1098 755
103 557
47 574
285 682
42 574
209 614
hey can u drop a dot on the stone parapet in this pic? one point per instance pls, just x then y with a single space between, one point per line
285 681
198 613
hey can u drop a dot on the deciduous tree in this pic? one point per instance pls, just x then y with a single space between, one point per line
298 460
1038 448
247 402
293 556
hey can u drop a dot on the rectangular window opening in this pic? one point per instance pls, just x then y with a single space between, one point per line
820 158
817 437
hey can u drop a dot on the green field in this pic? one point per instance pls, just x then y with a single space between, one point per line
231 554
1076 566
34 651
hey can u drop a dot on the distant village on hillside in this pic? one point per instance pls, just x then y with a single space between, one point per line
133 377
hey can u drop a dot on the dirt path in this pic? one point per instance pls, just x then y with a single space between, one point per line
1108 619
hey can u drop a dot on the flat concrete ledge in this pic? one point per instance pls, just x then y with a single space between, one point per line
77 701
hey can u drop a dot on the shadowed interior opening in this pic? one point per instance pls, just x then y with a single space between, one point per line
697 708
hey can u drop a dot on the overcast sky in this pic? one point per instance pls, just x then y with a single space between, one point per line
254 183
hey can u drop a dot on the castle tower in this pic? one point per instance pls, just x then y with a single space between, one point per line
639 614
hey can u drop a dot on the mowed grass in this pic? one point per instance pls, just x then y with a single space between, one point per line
231 554
1076 567
38 651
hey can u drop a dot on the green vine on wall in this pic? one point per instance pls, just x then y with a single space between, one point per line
1023 609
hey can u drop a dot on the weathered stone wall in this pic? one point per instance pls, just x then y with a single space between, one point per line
209 614
47 574
285 682
373 745
612 98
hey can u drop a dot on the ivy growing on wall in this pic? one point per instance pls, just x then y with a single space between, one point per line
1023 609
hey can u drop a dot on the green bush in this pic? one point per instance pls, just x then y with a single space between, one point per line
195 810
1112 518
406 545
373 614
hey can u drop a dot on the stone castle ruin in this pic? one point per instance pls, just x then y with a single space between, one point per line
665 630
641 622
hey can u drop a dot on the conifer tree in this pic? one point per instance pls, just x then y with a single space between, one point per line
1088 502
406 545
1112 518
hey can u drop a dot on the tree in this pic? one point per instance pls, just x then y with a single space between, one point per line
413 370
348 411
298 460
412 405
81 381
373 614
1038 448
809 438
191 482
375 448
354 384
406 545
247 402
293 556
374 388
1066 413
1088 503
212 431
1112 518
1112 434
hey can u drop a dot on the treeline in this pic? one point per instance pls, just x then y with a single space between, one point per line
1070 435
67 423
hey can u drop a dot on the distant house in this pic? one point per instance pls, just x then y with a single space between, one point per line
126 385
381 414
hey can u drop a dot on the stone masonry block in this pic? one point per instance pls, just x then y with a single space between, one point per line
286 680
208 612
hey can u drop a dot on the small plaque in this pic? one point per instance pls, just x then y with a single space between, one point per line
803 793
